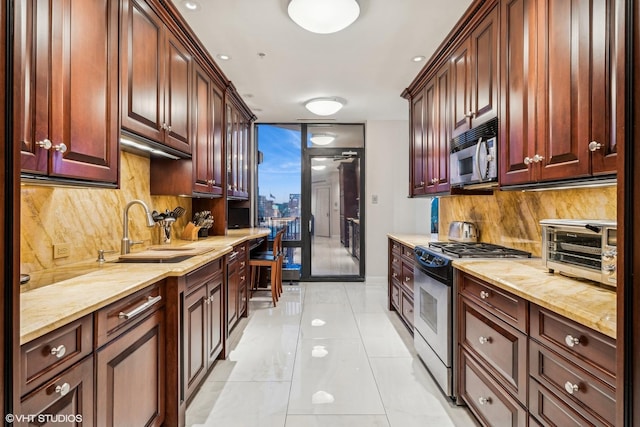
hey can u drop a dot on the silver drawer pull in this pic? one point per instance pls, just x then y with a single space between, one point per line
59 351
484 340
142 307
484 400
407 279
206 300
571 388
484 294
395 275
63 389
571 341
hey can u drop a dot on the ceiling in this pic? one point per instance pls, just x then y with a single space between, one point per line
368 64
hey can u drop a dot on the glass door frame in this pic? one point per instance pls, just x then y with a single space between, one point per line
307 154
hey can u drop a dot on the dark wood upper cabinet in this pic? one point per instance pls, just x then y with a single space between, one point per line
65 91
461 88
237 136
558 119
155 78
417 148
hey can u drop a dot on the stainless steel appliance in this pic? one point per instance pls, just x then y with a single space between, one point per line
585 248
473 157
462 231
433 293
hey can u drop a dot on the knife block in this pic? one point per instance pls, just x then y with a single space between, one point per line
190 232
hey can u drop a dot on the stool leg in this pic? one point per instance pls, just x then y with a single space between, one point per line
274 286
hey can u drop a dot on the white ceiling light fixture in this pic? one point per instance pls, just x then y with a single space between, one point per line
324 106
322 138
418 58
324 16
318 167
223 57
191 5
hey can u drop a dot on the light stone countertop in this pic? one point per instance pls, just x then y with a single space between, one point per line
582 301
86 287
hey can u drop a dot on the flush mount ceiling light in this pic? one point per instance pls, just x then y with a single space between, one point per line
223 57
324 106
418 58
324 16
322 138
191 5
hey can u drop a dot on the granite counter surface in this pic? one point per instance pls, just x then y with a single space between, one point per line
57 297
584 302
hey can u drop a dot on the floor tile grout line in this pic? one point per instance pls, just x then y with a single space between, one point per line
295 357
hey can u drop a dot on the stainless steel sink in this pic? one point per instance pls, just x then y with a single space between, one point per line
172 260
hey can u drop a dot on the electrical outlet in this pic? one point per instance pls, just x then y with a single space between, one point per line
374 199
61 250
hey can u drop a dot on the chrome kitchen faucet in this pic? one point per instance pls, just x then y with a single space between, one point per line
125 246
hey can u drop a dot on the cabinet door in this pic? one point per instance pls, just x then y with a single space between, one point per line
202 150
461 88
604 118
232 293
484 72
431 126
440 155
130 388
31 88
69 53
195 338
217 156
564 86
215 324
517 90
69 395
418 151
142 51
176 113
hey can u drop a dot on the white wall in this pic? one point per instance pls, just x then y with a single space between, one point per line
387 177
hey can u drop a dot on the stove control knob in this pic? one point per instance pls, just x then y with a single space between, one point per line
438 261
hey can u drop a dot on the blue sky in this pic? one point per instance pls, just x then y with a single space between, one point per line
279 173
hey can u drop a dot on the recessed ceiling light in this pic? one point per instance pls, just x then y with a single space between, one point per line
418 58
191 5
323 16
324 106
223 57
322 138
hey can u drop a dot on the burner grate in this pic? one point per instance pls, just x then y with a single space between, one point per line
478 250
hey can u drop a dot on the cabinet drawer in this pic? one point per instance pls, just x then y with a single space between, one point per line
69 395
396 266
549 410
407 278
395 295
204 273
573 340
118 317
559 375
49 355
487 400
396 248
500 346
502 304
408 254
407 309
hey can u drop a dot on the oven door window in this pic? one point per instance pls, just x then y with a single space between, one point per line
429 310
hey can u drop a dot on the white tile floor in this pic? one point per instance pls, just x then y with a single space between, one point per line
329 355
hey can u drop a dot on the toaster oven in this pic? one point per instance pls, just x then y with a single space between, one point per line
581 248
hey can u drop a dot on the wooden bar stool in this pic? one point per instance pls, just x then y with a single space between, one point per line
271 259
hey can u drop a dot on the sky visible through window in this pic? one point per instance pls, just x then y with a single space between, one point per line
279 174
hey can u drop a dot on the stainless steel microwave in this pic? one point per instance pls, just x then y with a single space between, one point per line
581 248
473 157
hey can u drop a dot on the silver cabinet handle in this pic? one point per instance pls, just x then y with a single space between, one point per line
571 388
571 341
169 128
407 279
394 275
537 158
484 400
45 143
164 126
63 389
59 351
421 183
470 114
61 148
594 145
206 300
142 307
484 340
528 161
484 294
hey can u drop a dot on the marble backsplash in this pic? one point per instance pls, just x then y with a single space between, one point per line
90 219
511 218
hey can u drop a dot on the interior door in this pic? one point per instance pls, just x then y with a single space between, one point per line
321 201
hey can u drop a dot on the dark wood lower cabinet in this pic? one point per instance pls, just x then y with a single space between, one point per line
65 400
130 384
194 343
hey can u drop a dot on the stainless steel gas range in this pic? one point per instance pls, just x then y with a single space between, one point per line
434 304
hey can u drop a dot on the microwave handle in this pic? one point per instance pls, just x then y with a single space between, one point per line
480 174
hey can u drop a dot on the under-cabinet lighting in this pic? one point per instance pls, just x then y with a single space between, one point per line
133 144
